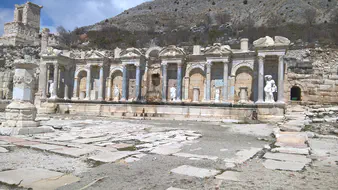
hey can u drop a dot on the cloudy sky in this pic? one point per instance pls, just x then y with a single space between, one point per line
69 13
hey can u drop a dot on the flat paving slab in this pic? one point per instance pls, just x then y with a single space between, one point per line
290 150
283 165
287 157
108 157
165 150
46 147
3 150
243 155
229 176
73 152
54 182
24 177
195 172
188 155
174 188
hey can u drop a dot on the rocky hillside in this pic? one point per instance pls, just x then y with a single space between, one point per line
161 15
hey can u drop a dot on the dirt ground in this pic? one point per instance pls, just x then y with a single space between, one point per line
153 171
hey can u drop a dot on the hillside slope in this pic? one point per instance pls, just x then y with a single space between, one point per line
163 14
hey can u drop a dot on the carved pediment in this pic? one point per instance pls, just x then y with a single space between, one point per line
94 55
218 49
172 51
130 53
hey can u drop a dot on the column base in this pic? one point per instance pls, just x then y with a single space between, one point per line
75 98
123 100
100 99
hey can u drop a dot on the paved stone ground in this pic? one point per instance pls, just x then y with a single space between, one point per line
139 154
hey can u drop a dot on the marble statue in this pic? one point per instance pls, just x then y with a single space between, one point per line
217 94
51 88
269 89
116 91
173 93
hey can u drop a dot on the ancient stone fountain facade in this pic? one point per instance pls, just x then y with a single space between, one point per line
170 75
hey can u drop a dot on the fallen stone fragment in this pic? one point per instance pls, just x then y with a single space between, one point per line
131 160
283 165
121 146
25 177
73 152
229 176
287 157
26 143
195 172
3 150
187 155
108 157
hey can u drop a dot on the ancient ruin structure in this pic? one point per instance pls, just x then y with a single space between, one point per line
24 30
214 75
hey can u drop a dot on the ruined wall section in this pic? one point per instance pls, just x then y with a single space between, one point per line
315 72
7 56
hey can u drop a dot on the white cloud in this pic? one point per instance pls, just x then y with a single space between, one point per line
77 13
6 15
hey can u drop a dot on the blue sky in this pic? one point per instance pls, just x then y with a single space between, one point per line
69 13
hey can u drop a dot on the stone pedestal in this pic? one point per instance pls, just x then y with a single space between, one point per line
243 95
196 93
82 95
21 113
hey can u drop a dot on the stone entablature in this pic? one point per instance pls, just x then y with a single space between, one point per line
215 74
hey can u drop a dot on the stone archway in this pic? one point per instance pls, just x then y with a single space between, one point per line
196 81
82 87
295 94
244 78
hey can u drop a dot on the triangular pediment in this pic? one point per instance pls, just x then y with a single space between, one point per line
94 55
171 51
218 49
131 53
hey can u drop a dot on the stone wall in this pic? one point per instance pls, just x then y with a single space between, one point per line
315 72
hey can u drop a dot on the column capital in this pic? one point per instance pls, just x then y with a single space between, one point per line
165 63
179 63
137 64
261 56
209 63
88 66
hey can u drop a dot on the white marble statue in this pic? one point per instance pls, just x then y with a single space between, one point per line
173 93
116 92
269 89
51 88
217 94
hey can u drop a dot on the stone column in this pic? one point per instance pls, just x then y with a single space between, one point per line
280 79
56 81
76 89
225 81
66 95
164 81
208 83
43 80
89 82
101 84
108 97
186 87
179 82
138 82
260 79
124 83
